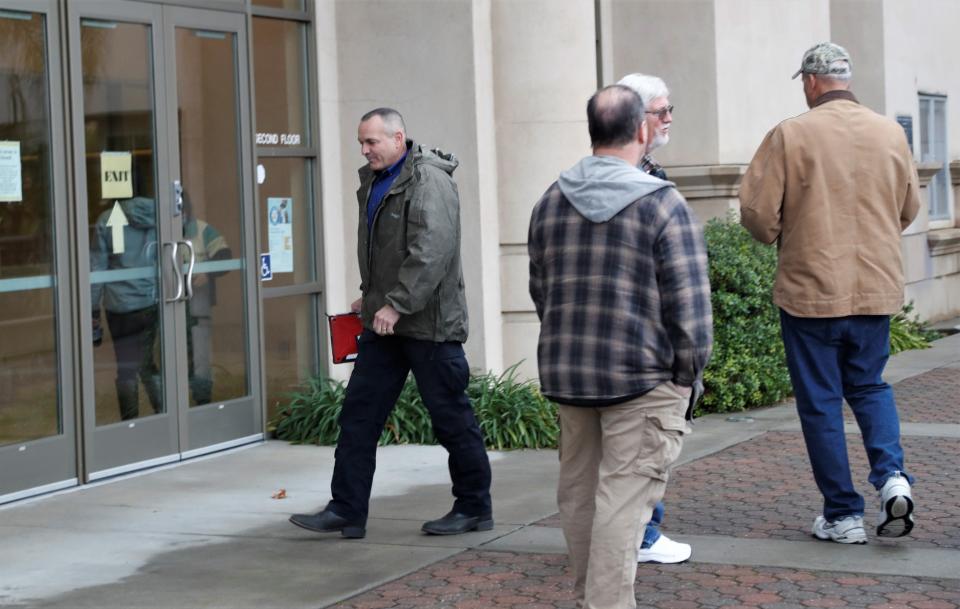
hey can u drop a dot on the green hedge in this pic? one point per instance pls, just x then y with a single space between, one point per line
748 366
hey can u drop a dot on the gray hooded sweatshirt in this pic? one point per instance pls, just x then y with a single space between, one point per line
600 187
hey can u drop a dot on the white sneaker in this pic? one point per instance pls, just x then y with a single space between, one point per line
848 529
896 507
665 550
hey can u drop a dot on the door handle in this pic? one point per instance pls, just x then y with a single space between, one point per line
190 265
174 248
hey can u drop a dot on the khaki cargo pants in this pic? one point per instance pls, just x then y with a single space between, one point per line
614 464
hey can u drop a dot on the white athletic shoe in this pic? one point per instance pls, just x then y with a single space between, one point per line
665 550
848 529
896 507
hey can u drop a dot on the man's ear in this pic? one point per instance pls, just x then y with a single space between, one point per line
398 138
642 132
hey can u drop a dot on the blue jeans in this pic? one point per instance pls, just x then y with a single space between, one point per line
832 359
652 531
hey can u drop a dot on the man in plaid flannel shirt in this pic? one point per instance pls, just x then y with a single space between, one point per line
618 275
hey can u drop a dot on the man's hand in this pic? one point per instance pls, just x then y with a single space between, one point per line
355 305
385 319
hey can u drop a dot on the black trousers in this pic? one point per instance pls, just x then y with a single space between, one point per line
442 374
134 336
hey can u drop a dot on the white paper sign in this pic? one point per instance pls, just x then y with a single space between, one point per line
280 221
11 181
116 177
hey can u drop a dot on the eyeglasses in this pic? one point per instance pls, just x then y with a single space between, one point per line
662 112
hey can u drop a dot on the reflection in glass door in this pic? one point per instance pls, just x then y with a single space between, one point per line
163 178
122 216
36 431
126 256
209 162
210 148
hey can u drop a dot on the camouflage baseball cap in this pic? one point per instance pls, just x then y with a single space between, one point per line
818 58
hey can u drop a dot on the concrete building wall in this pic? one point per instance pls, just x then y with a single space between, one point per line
544 72
418 56
677 42
754 65
921 46
857 25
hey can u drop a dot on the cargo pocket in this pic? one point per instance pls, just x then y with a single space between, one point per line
662 439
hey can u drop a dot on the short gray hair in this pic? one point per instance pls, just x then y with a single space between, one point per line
392 121
647 87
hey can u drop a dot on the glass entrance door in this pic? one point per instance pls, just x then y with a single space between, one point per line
37 432
164 207
208 124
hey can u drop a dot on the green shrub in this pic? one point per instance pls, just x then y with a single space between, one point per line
908 332
511 414
748 367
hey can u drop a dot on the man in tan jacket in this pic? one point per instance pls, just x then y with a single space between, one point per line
834 188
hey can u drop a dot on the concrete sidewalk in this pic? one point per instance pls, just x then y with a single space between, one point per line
207 533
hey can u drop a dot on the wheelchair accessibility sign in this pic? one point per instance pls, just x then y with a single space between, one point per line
266 272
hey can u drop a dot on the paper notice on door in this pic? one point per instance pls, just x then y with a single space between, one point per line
116 178
11 173
280 219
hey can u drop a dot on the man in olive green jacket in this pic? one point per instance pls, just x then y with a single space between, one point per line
415 319
834 187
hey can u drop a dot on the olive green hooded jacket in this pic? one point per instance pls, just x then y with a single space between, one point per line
410 258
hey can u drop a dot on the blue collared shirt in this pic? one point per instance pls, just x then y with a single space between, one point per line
381 186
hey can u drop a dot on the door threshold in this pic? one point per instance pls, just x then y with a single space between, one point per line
213 448
37 491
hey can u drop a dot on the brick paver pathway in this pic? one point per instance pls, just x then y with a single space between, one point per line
506 580
760 489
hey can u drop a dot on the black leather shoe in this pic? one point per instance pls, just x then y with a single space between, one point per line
455 523
329 522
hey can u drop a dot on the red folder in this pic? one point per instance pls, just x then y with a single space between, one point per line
345 329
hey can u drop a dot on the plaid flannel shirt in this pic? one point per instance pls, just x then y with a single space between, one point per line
624 305
649 165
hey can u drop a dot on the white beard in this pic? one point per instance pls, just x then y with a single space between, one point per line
660 139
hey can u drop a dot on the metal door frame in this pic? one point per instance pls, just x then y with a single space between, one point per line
51 463
209 428
153 440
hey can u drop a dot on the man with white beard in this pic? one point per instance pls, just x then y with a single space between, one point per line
655 546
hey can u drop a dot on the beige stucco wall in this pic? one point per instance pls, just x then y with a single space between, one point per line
920 49
544 72
677 42
857 25
420 57
759 45
920 43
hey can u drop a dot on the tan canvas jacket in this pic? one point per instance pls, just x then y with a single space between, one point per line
834 187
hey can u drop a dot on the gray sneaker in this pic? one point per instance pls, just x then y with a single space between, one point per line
848 529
